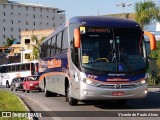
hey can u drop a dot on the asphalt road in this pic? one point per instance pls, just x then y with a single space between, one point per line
36 101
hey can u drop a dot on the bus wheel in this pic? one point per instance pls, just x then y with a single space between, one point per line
121 102
69 99
7 84
46 92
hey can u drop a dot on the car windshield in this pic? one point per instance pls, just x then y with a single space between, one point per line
20 79
33 78
113 49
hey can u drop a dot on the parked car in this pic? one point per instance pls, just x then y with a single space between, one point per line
31 83
16 83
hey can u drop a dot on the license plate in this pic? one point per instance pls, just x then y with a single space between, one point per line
118 93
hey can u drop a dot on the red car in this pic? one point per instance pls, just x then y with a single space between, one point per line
31 83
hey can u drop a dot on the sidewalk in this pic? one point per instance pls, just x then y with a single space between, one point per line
153 88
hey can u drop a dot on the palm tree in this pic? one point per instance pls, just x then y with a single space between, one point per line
146 12
9 41
36 46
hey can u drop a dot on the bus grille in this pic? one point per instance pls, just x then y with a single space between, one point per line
117 86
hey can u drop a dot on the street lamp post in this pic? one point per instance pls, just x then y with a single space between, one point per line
123 5
22 49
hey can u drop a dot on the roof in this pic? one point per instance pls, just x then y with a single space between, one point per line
103 21
33 5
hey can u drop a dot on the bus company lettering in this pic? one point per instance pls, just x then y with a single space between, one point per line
54 63
118 79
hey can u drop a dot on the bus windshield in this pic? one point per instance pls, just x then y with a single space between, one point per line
112 49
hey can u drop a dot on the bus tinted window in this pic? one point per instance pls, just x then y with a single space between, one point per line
65 41
53 46
22 67
13 68
27 66
59 39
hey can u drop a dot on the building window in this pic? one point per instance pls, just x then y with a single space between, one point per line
34 8
4 14
47 24
11 21
34 23
27 41
4 29
4 21
19 29
19 13
12 36
26 8
12 29
41 16
11 7
19 21
53 18
4 36
61 17
27 56
53 24
19 37
41 9
4 6
53 11
11 13
34 16
26 22
41 23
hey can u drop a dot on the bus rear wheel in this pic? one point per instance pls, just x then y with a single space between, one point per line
69 99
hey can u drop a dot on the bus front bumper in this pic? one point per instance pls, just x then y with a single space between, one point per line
88 92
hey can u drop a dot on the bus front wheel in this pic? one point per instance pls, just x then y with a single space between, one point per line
46 92
69 99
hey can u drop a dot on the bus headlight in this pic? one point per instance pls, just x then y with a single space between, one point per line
143 82
89 82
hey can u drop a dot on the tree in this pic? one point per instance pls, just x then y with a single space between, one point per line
146 12
9 41
36 46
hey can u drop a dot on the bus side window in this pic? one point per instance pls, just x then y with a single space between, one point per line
53 46
58 46
17 67
22 67
65 41
27 66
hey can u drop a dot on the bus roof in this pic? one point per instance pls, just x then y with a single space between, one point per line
103 21
18 63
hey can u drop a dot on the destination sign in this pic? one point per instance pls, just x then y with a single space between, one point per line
98 30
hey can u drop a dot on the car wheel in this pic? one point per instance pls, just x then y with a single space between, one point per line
28 91
69 99
23 90
11 89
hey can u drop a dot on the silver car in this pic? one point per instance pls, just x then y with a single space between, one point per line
16 83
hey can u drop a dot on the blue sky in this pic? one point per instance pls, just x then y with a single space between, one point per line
86 7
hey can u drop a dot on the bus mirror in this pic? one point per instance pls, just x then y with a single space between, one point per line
152 40
76 38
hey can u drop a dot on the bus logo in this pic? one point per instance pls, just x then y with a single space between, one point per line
54 63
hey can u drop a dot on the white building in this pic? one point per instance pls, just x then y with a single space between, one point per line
16 17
